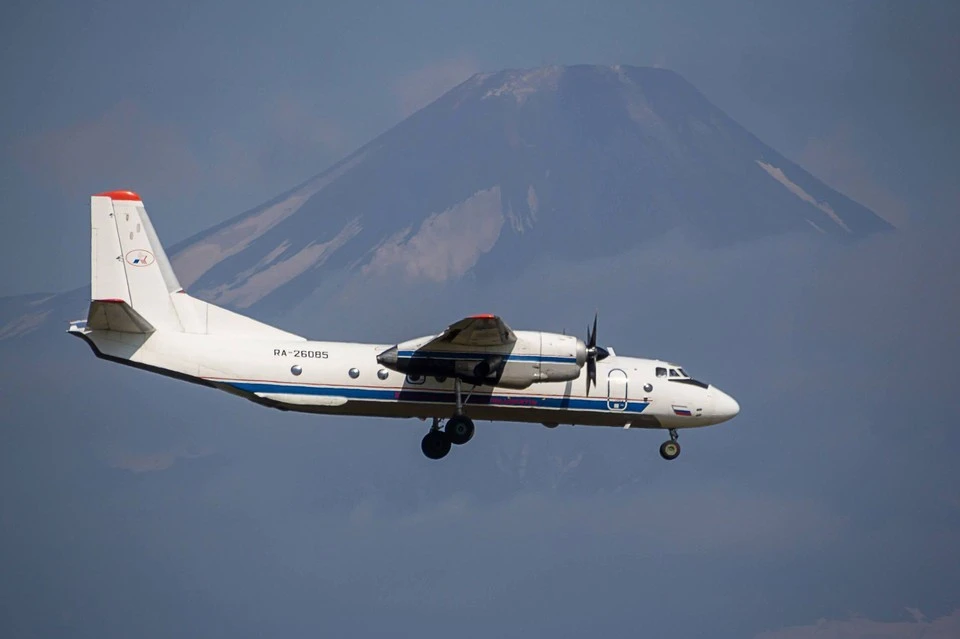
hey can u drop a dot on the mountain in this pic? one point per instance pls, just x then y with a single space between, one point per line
506 168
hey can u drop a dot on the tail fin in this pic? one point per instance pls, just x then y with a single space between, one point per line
133 286
127 260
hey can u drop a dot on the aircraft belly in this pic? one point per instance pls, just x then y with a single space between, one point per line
392 403
293 399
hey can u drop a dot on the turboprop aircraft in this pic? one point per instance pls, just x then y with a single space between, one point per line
478 368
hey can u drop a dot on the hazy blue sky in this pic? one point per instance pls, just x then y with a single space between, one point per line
136 505
139 505
210 108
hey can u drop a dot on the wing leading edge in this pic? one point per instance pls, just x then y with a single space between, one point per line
475 347
477 331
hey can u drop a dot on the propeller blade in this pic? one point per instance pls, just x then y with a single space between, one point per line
593 354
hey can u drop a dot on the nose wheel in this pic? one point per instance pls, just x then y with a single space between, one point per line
670 449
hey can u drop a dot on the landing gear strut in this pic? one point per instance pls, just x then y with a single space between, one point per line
670 449
458 430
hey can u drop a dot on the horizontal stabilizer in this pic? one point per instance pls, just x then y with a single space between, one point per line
116 315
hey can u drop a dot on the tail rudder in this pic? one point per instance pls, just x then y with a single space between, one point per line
133 286
127 261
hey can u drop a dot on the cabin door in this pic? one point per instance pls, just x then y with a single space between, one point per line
617 390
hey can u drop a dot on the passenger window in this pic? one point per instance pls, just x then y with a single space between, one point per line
661 372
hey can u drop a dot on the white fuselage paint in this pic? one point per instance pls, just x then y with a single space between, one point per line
140 316
261 370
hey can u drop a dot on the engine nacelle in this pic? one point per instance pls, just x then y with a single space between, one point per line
534 357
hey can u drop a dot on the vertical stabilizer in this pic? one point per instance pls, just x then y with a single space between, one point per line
128 263
133 286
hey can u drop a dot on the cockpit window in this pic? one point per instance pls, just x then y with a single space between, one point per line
680 376
661 372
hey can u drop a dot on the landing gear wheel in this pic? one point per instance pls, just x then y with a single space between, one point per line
670 450
459 429
435 444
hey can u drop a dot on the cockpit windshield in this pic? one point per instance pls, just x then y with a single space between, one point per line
673 373
676 374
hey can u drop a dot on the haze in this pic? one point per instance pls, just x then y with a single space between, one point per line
138 505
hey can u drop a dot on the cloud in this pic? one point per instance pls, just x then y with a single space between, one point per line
293 122
835 160
887 287
906 53
294 138
149 462
128 147
945 627
696 519
125 147
418 88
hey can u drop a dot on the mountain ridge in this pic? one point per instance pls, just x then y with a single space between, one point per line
562 161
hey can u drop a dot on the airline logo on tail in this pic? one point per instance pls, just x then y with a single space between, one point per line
140 258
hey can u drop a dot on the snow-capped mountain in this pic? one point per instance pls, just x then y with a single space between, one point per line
579 161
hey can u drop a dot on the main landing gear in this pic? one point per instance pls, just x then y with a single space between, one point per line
458 430
670 449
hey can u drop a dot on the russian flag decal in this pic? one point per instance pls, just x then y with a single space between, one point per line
681 410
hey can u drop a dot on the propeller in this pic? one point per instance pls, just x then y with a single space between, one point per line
594 354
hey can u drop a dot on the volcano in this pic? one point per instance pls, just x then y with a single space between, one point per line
508 167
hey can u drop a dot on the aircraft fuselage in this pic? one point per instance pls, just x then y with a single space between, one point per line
345 378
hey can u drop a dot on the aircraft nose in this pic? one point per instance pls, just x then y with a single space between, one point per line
724 406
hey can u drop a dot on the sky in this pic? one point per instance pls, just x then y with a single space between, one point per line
208 109
139 505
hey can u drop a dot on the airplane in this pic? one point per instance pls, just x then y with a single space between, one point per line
478 368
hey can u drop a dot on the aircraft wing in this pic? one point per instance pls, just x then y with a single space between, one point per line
476 332
472 349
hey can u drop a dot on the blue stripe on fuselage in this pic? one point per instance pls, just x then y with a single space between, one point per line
471 356
436 396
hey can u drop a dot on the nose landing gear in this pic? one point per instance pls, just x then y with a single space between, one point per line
670 449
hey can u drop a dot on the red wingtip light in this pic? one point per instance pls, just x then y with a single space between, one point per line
483 316
120 195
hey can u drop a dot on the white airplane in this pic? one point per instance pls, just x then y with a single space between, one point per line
478 368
